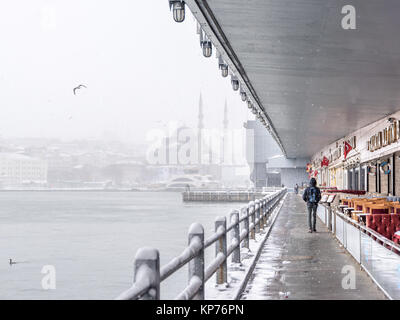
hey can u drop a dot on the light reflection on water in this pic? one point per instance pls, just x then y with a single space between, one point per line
91 239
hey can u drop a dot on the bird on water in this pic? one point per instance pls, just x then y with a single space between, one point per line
12 262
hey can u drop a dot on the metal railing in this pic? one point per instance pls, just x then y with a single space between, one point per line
242 227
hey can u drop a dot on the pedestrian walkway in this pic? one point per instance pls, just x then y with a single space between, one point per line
295 264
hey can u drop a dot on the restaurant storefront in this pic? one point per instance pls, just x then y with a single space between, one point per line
368 159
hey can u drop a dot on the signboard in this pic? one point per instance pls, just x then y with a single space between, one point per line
385 137
324 198
331 198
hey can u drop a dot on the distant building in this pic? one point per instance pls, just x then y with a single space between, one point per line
18 169
267 164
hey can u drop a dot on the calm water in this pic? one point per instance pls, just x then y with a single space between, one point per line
91 239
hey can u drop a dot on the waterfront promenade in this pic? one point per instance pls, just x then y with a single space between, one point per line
295 264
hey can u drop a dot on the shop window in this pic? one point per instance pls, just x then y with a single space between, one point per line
362 178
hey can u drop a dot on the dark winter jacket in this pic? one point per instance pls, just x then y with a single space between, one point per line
307 192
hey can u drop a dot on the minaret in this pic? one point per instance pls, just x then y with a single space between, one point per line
200 127
225 116
224 132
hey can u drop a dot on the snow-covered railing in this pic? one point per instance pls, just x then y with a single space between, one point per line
242 227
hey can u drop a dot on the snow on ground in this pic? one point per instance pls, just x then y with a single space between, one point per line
238 274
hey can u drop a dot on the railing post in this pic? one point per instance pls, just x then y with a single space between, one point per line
246 223
334 222
235 236
220 247
257 208
148 260
196 265
264 212
329 216
253 219
260 214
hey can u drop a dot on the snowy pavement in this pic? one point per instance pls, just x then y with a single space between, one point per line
295 264
238 274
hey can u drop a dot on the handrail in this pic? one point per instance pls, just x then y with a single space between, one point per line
242 228
178 262
211 240
138 288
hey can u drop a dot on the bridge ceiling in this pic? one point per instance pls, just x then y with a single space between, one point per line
316 81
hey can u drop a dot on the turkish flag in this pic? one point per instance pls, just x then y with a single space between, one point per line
347 149
325 162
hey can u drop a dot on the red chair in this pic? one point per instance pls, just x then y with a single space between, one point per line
384 224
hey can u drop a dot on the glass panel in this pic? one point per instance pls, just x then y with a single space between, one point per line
382 264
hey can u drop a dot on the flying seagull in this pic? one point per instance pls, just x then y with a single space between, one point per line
79 87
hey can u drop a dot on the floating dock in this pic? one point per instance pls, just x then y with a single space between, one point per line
222 196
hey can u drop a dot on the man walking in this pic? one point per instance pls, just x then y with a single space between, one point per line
312 195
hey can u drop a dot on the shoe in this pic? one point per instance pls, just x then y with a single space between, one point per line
314 230
310 231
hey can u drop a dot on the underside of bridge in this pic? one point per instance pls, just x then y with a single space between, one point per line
315 80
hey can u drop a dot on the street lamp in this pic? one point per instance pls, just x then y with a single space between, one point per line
243 94
223 67
249 104
224 70
207 48
235 83
178 9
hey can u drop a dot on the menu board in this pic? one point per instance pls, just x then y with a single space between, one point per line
324 198
331 198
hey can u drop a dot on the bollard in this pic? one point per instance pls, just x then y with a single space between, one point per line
253 219
196 265
147 263
257 208
246 223
220 247
235 235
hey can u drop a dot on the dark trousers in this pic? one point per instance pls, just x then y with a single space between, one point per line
312 215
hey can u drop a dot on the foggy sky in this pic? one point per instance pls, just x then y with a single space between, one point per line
141 70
